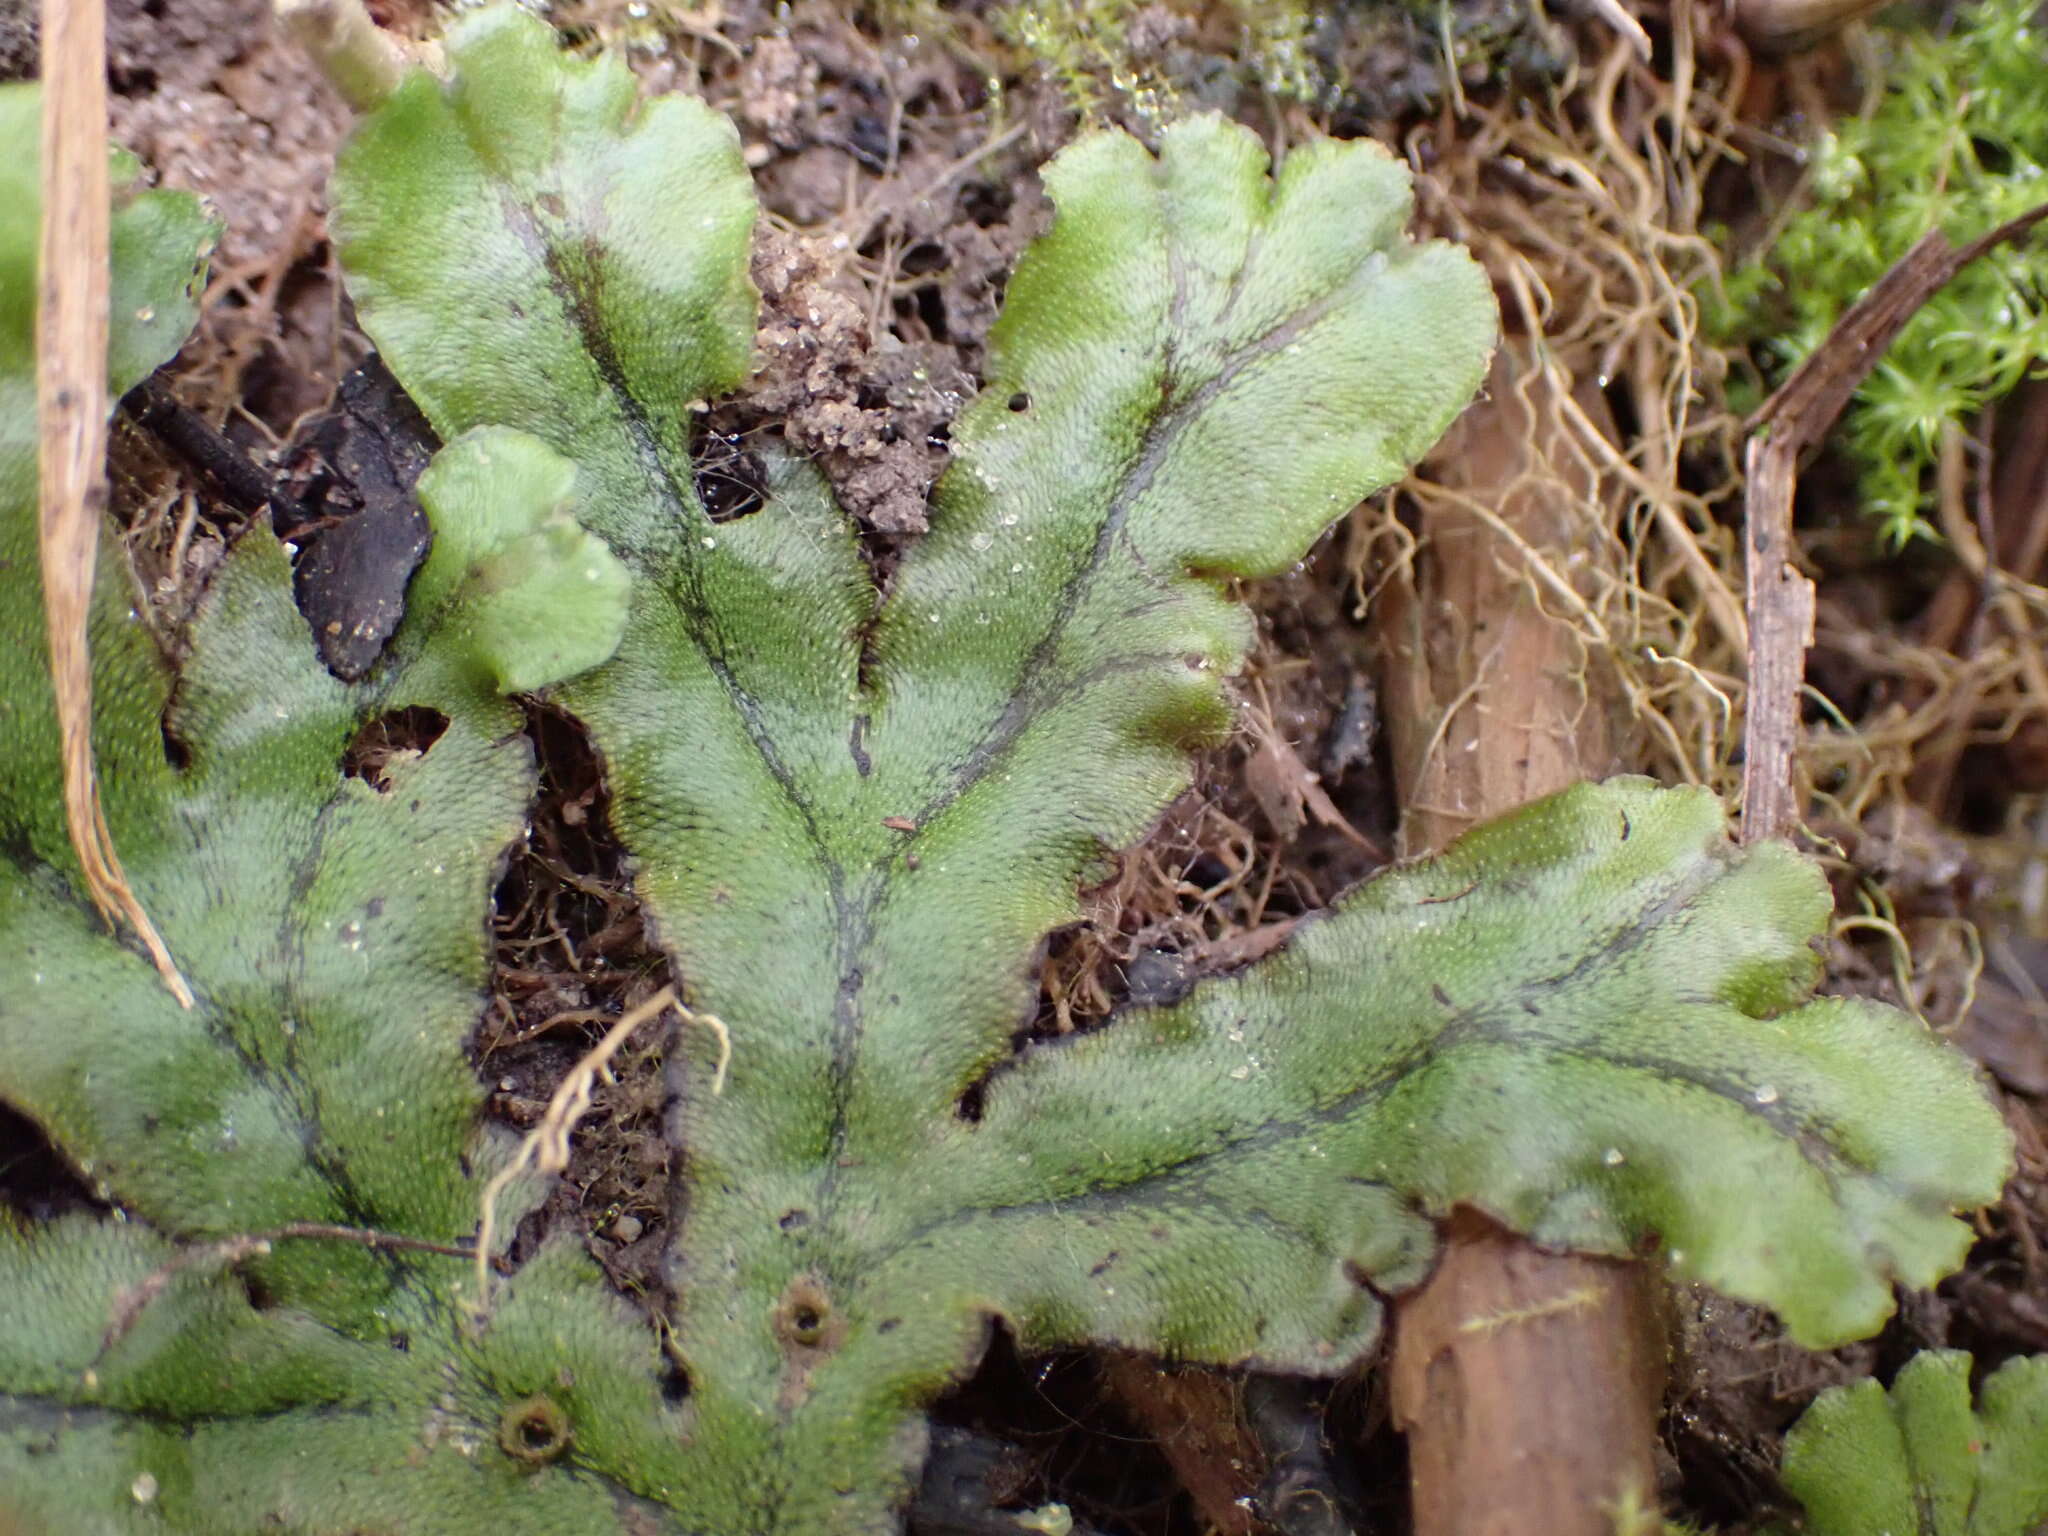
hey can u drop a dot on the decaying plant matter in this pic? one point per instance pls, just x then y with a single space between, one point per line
855 819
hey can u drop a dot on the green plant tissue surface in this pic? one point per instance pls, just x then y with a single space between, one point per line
853 823
1919 1460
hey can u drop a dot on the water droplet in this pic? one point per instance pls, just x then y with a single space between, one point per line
711 543
1239 1074
1008 519
143 1489
1766 1094
934 618
981 540
1613 1157
981 618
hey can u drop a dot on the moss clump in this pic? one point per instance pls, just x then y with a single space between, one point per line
1958 142
1111 55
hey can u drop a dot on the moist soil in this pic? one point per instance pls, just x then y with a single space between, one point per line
896 151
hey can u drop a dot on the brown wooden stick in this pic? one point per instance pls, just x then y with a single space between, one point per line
71 406
1794 419
1527 1382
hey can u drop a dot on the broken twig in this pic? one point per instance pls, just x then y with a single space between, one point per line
1794 419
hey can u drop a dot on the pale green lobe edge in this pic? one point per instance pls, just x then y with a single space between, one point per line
1585 1018
524 593
530 247
1918 1459
1197 370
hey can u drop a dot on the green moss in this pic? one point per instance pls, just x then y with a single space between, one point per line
1958 142
1107 55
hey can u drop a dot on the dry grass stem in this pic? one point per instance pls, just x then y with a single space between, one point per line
71 405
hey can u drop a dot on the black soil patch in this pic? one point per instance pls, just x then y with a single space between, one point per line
1040 1430
388 738
36 1183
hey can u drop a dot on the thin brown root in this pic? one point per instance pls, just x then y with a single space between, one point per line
134 1300
546 1146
